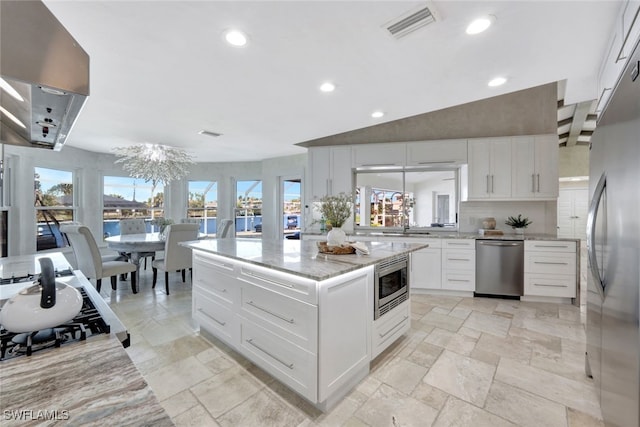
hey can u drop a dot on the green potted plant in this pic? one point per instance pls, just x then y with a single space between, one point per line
162 224
335 211
518 223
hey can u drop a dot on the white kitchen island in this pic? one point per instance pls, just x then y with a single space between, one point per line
304 317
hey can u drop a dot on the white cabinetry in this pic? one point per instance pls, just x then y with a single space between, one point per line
489 168
315 337
390 327
387 154
452 151
624 38
535 167
330 171
426 266
459 264
550 268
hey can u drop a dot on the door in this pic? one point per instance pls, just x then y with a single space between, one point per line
572 213
290 210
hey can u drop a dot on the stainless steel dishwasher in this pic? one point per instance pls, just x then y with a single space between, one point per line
499 268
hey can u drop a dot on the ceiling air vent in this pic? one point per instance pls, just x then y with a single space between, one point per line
409 22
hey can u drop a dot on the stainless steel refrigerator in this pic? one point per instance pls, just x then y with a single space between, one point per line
613 243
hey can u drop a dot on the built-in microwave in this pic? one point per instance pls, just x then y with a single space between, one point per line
391 280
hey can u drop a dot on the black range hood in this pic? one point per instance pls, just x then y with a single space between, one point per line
47 69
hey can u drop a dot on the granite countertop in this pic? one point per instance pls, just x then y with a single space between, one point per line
88 383
300 257
353 236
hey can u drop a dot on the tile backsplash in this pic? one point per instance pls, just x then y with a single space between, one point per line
542 213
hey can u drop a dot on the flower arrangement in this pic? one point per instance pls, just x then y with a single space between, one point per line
336 210
161 223
518 222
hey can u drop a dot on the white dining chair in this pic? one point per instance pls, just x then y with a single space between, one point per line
136 226
176 257
90 261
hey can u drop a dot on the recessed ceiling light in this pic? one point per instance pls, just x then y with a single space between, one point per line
12 117
236 38
327 87
481 24
377 114
498 81
10 90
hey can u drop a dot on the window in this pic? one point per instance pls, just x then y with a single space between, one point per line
203 204
406 199
126 197
291 207
249 206
54 203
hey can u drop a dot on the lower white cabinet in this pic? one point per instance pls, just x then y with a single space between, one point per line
550 268
426 266
313 336
459 265
390 327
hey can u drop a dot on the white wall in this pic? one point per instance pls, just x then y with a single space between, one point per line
90 167
543 214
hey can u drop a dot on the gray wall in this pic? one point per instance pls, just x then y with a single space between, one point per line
531 111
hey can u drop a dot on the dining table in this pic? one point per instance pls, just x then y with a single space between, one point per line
136 244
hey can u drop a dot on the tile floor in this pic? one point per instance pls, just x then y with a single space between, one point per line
465 362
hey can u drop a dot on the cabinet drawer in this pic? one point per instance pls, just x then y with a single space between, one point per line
458 260
550 285
459 281
215 317
459 244
389 328
552 263
293 319
295 287
549 246
284 360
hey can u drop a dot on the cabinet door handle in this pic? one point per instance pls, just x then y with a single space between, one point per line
458 259
266 310
288 365
550 285
553 263
533 183
538 182
211 317
394 327
488 184
458 280
457 244
266 279
551 246
492 187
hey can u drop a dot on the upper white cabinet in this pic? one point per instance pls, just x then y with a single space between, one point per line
330 171
434 152
626 34
489 168
534 167
388 154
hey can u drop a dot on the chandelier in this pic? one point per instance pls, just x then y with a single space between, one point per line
154 163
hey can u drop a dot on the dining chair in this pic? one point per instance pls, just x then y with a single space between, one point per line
176 257
225 229
90 261
136 226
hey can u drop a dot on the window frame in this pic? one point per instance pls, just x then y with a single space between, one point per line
60 239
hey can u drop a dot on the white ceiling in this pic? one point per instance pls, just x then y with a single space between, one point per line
161 71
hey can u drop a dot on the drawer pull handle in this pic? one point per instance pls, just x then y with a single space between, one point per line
253 304
266 279
458 259
553 263
458 280
549 285
211 317
458 244
394 327
551 246
288 365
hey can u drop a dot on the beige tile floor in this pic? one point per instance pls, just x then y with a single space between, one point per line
465 362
